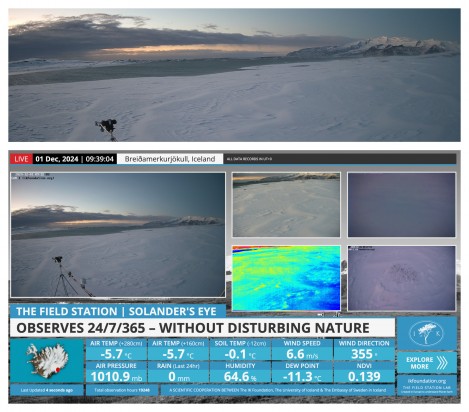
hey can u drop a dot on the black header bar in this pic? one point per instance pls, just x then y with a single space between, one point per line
341 158
260 158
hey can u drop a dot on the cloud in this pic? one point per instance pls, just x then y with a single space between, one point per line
43 216
264 33
210 27
79 36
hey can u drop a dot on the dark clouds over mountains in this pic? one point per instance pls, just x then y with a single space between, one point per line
80 36
43 216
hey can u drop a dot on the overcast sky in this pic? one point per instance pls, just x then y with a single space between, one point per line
162 33
116 197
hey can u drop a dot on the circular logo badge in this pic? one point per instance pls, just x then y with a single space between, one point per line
426 333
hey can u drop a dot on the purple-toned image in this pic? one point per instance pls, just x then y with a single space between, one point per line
401 205
402 278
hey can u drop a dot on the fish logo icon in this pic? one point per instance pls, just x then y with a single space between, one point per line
426 333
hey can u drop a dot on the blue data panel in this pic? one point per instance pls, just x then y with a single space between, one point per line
302 349
54 360
278 390
121 390
306 371
116 349
364 349
116 372
427 333
18 389
240 349
235 372
364 372
178 349
427 385
427 362
180 371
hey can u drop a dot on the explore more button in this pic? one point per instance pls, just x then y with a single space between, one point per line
427 362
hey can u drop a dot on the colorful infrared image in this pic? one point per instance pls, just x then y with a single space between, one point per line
286 278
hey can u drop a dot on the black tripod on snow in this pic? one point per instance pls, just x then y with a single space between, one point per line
107 126
62 278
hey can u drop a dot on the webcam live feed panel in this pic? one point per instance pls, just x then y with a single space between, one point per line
402 278
167 75
297 204
117 235
416 205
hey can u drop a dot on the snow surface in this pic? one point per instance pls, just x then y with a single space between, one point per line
186 261
397 98
402 278
297 208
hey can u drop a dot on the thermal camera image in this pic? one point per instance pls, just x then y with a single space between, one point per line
286 278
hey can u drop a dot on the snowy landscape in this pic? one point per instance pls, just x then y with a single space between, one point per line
186 260
286 205
407 90
112 234
402 278
292 76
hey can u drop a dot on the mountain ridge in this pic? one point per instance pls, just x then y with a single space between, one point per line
379 46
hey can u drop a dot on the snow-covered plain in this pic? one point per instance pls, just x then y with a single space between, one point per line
186 261
396 98
297 208
402 278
